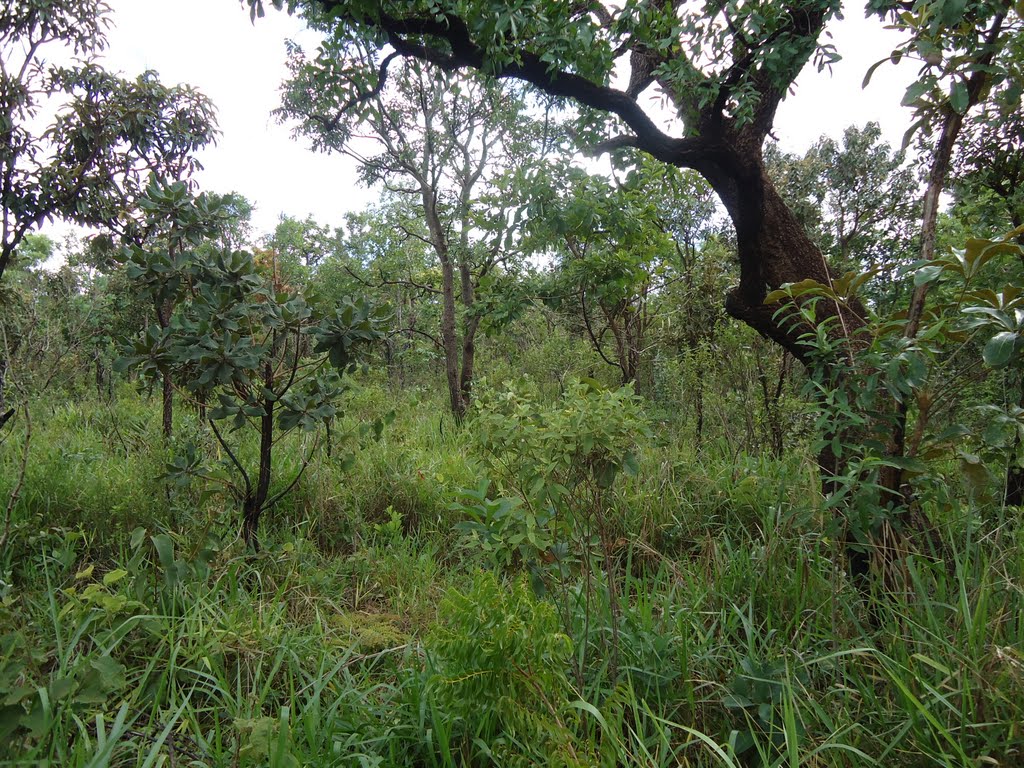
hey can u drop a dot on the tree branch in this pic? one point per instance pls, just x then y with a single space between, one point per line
419 332
330 123
234 460
404 35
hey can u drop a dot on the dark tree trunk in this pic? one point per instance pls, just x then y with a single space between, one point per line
168 402
472 322
627 345
5 416
163 316
252 506
773 249
1013 496
3 381
1015 483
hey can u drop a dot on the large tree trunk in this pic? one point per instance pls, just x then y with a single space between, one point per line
773 249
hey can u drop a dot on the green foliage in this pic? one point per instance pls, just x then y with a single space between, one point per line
953 41
498 660
548 450
689 609
107 135
340 656
244 339
618 248
861 382
858 199
505 531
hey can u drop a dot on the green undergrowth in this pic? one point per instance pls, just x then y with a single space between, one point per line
708 622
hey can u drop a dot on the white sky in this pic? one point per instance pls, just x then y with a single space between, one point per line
211 45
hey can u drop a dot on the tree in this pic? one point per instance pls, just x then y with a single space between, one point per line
273 365
724 69
618 249
440 140
163 260
302 242
108 134
15 304
988 167
386 249
988 173
858 199
968 51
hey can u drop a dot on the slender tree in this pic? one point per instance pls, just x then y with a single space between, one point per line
108 134
439 141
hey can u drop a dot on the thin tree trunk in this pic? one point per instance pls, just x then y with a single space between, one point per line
1014 493
892 477
699 405
168 402
101 373
3 380
449 340
472 322
253 505
163 316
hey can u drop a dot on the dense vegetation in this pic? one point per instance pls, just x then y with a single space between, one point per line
489 474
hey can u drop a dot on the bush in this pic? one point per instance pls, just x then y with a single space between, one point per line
498 661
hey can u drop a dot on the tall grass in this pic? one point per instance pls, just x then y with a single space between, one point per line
136 631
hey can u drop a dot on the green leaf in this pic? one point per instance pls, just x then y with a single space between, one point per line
999 349
915 91
114 576
959 98
927 274
104 677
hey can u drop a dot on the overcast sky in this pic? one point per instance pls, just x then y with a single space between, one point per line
212 45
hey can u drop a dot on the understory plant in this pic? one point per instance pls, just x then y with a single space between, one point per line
887 411
558 462
272 364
